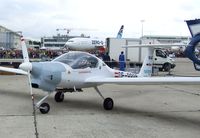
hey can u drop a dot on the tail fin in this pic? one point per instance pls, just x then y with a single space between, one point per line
146 69
119 34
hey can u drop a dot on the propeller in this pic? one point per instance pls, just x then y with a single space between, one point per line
27 67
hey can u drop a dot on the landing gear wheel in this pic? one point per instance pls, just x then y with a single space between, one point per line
44 108
167 67
59 97
108 104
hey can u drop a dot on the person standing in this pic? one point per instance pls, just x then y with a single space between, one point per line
106 59
122 61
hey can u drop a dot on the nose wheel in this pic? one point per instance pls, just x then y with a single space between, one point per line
44 108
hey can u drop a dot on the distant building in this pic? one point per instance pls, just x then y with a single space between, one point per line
9 39
32 43
56 42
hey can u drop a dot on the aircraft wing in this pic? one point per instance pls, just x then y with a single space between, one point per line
18 71
146 81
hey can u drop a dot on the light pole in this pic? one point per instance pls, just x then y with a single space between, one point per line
142 21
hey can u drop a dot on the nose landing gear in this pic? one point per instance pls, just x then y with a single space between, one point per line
44 108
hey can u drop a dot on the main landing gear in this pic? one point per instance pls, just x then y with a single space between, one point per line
59 96
108 102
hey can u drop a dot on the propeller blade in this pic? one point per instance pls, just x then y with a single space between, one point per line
29 82
24 51
27 66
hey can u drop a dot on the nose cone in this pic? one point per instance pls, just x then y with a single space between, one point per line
71 44
26 66
67 45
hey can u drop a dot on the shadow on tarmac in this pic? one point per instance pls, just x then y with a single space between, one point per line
181 118
94 106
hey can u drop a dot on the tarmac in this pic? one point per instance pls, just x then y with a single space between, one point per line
139 111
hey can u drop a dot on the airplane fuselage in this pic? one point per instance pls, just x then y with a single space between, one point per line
75 78
82 44
71 71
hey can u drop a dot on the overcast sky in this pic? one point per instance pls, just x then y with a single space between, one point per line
98 18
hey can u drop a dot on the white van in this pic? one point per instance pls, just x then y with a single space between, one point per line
162 61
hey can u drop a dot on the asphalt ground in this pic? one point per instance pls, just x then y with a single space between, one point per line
139 112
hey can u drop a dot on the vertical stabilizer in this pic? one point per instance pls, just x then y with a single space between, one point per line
146 69
119 34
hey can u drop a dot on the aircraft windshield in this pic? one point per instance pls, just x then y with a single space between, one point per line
78 60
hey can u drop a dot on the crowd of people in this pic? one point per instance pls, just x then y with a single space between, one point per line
36 53
51 54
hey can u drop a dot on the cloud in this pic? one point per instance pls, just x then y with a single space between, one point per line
41 17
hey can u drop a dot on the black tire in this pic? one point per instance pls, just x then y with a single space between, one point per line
167 67
108 104
59 97
44 108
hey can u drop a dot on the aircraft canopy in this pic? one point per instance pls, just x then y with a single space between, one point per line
78 60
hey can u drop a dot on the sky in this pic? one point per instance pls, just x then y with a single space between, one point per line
98 18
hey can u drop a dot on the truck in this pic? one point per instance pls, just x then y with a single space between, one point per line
135 56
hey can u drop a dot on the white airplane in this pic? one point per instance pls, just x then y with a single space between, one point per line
75 70
182 46
179 48
84 44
